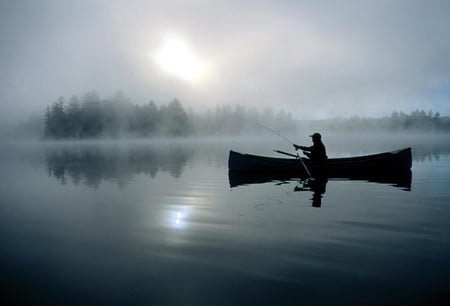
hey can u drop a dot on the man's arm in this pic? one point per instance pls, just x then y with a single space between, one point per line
302 148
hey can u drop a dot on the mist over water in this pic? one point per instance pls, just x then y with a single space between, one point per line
156 222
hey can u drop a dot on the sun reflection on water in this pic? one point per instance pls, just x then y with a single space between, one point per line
178 212
178 218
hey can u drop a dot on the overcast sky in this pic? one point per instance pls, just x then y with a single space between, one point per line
313 58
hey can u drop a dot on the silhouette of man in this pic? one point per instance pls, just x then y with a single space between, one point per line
317 152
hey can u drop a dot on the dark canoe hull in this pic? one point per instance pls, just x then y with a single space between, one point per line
383 165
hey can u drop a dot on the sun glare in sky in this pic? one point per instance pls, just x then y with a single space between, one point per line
176 57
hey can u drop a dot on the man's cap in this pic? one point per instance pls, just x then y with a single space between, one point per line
316 135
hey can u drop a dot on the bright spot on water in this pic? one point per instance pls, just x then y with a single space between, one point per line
178 219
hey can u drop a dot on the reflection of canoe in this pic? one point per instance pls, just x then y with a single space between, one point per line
401 178
377 167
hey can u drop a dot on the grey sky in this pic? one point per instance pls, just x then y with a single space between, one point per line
314 58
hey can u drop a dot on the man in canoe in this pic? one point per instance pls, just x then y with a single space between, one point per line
317 152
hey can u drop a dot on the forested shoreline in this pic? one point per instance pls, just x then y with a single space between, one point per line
417 121
91 117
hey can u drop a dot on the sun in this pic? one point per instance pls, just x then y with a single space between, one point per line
176 57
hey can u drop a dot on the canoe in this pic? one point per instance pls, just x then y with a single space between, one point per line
382 163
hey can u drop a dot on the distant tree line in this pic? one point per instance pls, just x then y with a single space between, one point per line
416 121
91 117
229 120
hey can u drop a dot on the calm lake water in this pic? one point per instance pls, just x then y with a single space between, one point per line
157 223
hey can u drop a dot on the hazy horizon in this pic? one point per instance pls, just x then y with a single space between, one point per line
315 60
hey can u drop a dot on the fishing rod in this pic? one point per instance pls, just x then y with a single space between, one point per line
283 137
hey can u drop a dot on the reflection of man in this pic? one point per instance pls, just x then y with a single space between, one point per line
316 152
317 186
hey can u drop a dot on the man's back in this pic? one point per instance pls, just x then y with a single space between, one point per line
318 152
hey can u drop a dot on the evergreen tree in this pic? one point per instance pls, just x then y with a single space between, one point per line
74 117
91 119
57 127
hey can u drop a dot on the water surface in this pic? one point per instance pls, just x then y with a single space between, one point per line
157 223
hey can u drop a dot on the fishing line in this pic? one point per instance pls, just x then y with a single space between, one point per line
265 127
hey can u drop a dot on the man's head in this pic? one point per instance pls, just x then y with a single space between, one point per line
316 137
